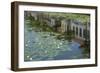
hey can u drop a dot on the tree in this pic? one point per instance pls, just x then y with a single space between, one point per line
69 34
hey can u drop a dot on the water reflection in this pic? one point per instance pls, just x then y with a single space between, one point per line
40 46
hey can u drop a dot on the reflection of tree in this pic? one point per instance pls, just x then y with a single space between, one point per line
57 24
86 41
69 34
86 36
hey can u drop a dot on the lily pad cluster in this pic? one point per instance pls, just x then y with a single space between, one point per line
45 46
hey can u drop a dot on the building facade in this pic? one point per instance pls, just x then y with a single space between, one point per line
82 31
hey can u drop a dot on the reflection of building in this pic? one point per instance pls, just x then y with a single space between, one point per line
80 30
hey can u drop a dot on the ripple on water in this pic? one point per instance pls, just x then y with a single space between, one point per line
46 47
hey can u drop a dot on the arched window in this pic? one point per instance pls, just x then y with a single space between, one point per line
73 30
76 30
88 34
85 33
80 32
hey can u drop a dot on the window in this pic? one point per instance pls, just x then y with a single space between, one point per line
73 30
80 32
76 30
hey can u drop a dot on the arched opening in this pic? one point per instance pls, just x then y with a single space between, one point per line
76 30
80 32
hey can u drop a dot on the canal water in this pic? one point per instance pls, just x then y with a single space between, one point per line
42 46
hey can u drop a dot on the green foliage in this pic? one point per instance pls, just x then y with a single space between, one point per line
86 48
69 35
31 18
75 16
40 26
